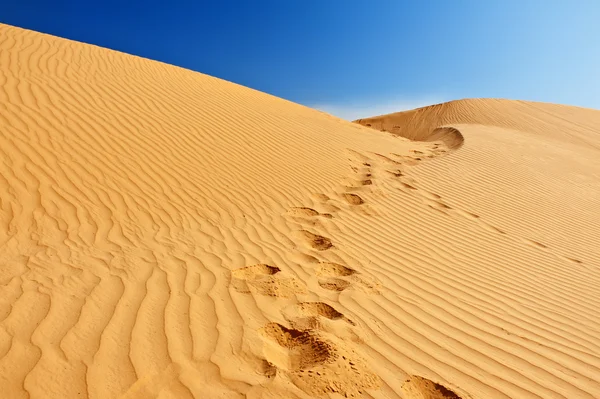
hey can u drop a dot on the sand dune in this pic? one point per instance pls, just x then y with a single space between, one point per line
165 234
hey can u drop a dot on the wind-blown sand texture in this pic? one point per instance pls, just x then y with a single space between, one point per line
165 234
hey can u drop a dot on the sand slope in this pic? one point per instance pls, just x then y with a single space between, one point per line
165 234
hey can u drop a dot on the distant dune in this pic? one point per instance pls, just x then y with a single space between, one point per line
166 234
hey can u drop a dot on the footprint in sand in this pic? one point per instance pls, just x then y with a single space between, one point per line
416 387
305 315
322 317
316 362
325 204
334 284
314 241
328 269
353 199
321 197
306 215
387 159
336 277
353 184
395 173
265 280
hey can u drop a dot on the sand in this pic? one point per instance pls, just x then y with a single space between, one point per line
166 234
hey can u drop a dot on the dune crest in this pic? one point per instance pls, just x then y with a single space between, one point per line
166 234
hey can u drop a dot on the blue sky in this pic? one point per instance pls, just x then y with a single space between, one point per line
352 58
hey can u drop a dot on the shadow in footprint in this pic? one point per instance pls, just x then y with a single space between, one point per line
334 284
304 349
319 316
265 280
316 364
255 271
327 269
416 387
353 199
395 173
307 215
315 241
303 212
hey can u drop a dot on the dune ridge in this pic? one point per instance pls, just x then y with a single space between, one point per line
167 234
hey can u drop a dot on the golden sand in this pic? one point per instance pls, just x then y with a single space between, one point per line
166 234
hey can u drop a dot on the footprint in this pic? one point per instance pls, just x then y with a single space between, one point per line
387 159
334 284
302 258
365 182
321 198
329 208
317 363
355 156
341 277
255 271
416 387
265 280
307 215
353 199
302 211
353 184
304 348
314 315
395 173
366 284
266 368
327 269
315 241
320 309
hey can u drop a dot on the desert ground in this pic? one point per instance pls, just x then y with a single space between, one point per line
167 234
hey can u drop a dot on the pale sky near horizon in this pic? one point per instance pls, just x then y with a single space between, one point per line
348 57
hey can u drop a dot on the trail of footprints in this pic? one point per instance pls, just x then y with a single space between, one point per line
434 201
316 352
313 353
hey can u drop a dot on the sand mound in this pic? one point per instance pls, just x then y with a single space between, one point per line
578 125
165 234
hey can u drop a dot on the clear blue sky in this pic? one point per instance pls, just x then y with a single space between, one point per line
352 58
